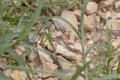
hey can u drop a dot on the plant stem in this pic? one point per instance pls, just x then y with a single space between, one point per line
82 35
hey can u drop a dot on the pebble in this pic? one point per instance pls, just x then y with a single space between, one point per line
91 8
90 23
117 4
105 3
101 14
115 24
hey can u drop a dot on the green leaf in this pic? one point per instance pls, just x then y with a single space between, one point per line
14 20
3 76
118 68
62 73
110 77
17 57
52 3
8 37
20 68
74 77
33 20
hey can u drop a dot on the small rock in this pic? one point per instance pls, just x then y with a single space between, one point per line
65 52
97 19
108 14
66 65
115 24
115 15
49 67
18 75
56 34
101 14
90 42
39 79
32 38
90 23
77 12
52 79
80 78
71 18
105 3
23 75
116 42
21 48
58 24
117 4
8 72
91 8
44 54
76 47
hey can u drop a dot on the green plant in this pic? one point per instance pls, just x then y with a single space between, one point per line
15 27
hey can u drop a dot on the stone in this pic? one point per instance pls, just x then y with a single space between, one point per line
76 47
90 22
116 42
44 54
52 78
80 78
72 19
91 8
115 15
105 3
56 34
115 24
101 14
117 4
65 52
65 64
18 75
77 12
8 72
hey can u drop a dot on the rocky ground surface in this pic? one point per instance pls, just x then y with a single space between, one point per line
67 46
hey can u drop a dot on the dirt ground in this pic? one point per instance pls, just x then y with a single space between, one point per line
67 48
